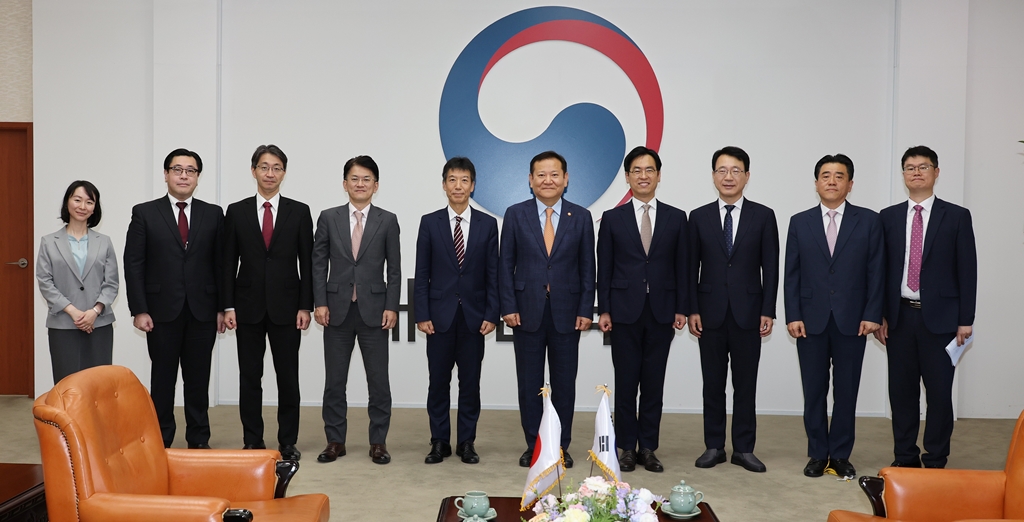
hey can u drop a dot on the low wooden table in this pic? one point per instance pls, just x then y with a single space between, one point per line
21 493
508 511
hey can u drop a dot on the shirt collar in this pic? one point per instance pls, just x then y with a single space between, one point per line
541 207
464 215
927 204
174 200
638 205
841 209
738 203
365 211
274 201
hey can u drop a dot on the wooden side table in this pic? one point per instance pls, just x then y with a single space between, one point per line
508 511
21 493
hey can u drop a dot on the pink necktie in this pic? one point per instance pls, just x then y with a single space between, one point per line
357 238
916 243
268 224
831 232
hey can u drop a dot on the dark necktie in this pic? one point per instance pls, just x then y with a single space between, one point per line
916 244
727 229
268 224
460 246
182 222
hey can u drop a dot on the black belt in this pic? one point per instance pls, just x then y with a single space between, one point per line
913 303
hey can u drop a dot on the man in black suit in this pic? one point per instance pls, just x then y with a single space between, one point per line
641 295
734 280
931 287
172 260
833 291
456 305
270 295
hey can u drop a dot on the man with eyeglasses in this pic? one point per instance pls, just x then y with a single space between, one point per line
641 296
734 281
931 287
173 274
350 248
268 293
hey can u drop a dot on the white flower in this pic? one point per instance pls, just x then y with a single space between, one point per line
645 495
576 515
570 497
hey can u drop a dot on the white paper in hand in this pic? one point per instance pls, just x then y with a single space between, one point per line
955 351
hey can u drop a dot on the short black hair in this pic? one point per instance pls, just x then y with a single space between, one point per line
459 163
641 151
184 152
94 195
838 158
363 161
270 149
734 152
546 155
922 151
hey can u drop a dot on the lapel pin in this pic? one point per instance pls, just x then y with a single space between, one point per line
568 213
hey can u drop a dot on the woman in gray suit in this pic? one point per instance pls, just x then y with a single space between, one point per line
77 274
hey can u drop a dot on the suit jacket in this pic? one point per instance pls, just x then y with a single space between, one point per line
269 282
441 284
160 272
746 281
526 269
335 271
949 266
61 284
848 284
625 272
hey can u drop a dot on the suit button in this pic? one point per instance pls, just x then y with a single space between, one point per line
831 292
81 288
730 265
831 271
456 294
549 267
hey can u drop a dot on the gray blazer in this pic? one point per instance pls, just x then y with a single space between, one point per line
335 271
60 283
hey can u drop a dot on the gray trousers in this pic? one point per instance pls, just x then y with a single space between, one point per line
339 341
75 350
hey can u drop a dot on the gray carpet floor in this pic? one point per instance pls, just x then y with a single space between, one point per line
407 489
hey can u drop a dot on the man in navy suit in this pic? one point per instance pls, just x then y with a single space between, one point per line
931 287
456 305
546 285
641 296
833 291
734 280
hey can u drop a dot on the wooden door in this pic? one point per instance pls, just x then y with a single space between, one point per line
17 272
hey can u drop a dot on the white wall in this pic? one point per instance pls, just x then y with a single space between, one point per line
117 85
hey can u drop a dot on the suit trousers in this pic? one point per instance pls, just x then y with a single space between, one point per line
640 355
284 348
188 342
463 346
74 350
916 354
845 355
717 347
563 357
339 341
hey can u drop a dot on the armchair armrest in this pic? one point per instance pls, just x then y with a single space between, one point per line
924 494
236 475
118 507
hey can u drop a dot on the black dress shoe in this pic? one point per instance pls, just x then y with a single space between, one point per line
289 452
815 467
379 454
467 452
649 460
842 467
527 458
201 445
627 461
439 449
255 446
897 464
331 452
749 462
710 458
567 459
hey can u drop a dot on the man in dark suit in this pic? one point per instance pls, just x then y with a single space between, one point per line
270 295
456 305
546 283
833 291
351 246
172 260
931 287
734 280
641 296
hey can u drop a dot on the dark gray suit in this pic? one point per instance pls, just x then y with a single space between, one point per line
335 272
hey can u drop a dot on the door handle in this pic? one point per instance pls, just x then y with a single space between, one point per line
22 263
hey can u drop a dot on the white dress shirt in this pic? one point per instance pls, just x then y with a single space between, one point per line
638 213
735 215
174 208
926 212
352 217
840 210
274 203
464 225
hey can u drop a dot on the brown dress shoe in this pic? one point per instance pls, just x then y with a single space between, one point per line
379 453
331 452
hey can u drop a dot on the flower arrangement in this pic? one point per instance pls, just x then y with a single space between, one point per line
599 500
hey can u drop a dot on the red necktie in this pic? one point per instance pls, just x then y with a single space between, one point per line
182 222
916 243
268 224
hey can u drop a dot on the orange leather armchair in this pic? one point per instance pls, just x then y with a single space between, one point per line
946 495
104 461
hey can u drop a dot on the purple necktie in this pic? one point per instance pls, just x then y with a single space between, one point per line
460 246
916 243
268 224
831 232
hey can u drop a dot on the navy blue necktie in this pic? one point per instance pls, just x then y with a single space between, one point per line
728 228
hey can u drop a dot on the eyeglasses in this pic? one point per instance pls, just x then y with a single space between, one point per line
923 169
179 170
264 168
650 171
723 171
